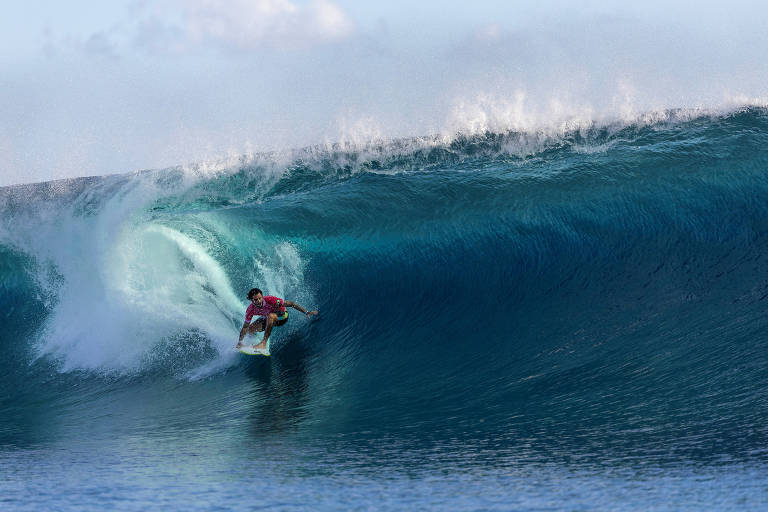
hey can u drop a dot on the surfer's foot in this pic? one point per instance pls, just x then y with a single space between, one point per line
262 346
239 346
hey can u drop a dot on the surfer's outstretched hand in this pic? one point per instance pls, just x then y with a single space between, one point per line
310 313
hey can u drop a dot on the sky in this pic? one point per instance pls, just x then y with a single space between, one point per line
93 88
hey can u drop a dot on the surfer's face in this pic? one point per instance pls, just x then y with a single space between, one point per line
257 299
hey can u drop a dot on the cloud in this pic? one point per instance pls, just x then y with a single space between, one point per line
104 44
244 24
100 44
188 26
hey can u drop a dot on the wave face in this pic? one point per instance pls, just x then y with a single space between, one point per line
597 296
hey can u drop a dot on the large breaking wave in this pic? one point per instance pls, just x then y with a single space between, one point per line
610 278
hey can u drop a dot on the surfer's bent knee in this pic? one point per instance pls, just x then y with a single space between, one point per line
258 326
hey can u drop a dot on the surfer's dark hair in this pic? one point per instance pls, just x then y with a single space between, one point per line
253 292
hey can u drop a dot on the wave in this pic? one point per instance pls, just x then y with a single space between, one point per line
461 282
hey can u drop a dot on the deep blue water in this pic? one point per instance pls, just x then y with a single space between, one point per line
507 322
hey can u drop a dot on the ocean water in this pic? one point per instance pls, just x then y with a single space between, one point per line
508 321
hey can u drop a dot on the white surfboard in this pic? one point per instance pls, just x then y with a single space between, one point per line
248 349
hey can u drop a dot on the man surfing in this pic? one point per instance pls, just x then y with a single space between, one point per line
271 312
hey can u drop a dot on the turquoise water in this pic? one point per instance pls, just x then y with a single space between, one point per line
507 322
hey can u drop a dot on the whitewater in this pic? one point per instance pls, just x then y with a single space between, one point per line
509 320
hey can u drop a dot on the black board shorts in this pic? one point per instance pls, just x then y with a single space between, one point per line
280 321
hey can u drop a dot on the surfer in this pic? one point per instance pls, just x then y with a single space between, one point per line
271 312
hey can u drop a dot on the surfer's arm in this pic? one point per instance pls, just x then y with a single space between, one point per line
243 331
293 305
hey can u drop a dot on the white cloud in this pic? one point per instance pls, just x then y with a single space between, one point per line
100 44
251 24
187 26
